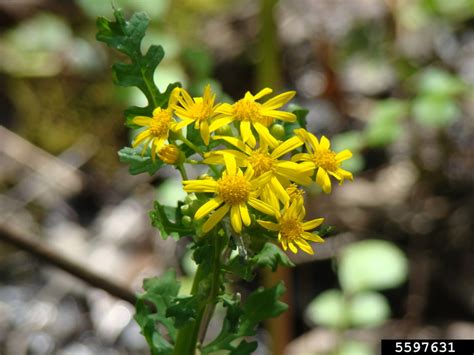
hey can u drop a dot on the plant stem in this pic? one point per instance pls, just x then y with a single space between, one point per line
188 335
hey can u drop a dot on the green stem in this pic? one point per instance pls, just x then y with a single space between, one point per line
187 338
182 170
197 150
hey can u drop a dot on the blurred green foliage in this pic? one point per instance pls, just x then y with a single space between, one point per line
363 268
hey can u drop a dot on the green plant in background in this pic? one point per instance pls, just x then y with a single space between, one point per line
249 200
363 268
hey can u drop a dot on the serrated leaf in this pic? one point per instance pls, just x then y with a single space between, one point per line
138 163
271 256
183 310
168 221
126 37
243 321
160 292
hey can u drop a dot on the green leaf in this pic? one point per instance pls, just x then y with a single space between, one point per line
435 111
126 37
271 256
168 221
352 347
372 265
243 321
184 310
384 123
368 309
300 122
138 163
159 292
438 82
328 309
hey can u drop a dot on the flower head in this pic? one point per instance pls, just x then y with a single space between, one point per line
251 113
292 231
169 154
234 191
324 159
263 160
157 128
198 110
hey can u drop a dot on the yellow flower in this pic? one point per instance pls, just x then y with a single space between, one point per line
233 192
251 113
324 159
292 231
198 110
263 161
157 128
169 154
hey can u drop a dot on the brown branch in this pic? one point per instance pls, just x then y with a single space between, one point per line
26 242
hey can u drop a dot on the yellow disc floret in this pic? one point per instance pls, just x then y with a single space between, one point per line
261 162
160 123
326 159
234 189
290 229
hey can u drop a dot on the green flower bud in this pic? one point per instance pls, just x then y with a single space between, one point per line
224 131
185 210
278 131
187 221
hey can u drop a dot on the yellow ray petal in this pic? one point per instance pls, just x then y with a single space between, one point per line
204 129
220 122
313 237
262 206
308 225
244 213
141 137
269 225
261 93
226 109
279 100
231 166
279 191
286 147
246 133
200 185
292 247
280 115
215 218
207 208
324 143
235 219
322 179
141 120
265 135
345 154
235 142
303 244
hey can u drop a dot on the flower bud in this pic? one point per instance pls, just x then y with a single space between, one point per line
185 209
187 221
170 154
278 131
224 130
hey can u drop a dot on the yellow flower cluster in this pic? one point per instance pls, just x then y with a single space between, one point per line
259 178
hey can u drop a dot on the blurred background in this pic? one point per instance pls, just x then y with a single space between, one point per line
391 80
